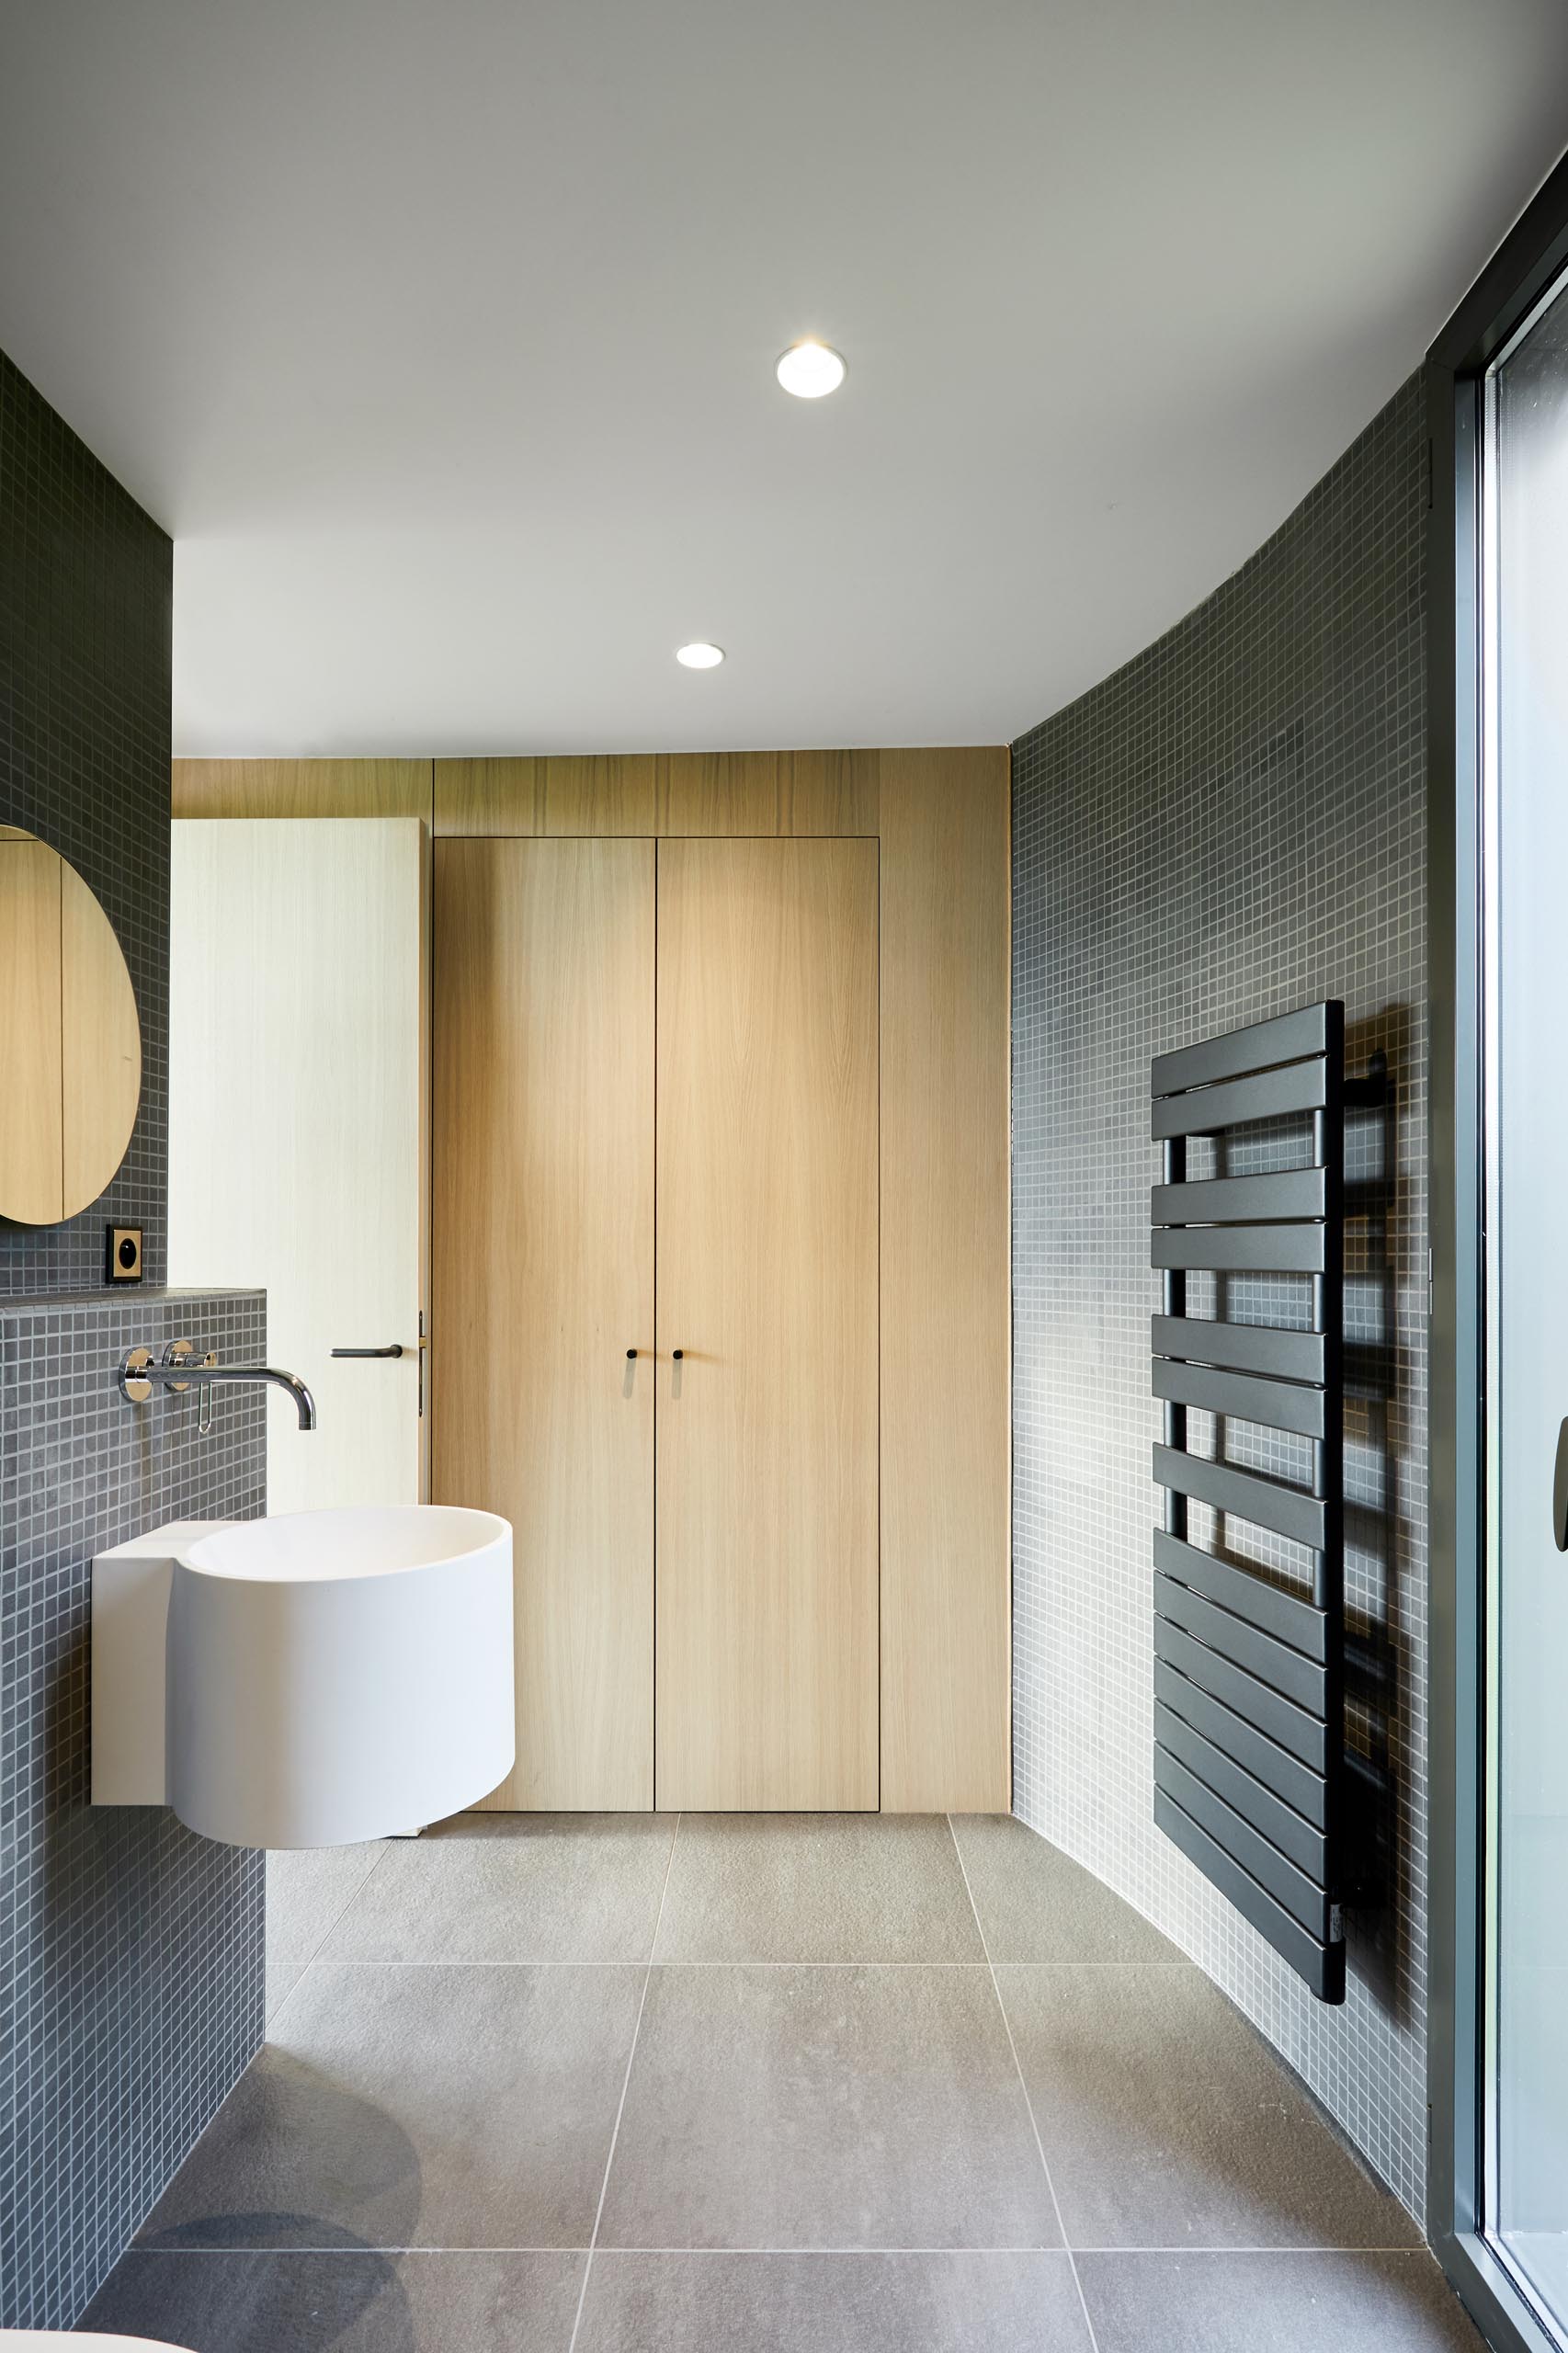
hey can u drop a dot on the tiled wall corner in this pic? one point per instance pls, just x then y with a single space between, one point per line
1232 825
85 591
131 1949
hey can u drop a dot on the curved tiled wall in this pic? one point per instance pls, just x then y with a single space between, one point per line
1232 825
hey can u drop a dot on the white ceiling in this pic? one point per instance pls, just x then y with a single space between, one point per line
440 334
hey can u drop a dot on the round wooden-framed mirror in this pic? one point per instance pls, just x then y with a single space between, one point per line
70 1038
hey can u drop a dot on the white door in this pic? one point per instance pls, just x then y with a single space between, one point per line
298 1028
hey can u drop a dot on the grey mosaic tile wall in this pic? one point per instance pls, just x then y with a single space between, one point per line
85 590
1230 826
131 1949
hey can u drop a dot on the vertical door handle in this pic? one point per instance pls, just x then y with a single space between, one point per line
1560 1491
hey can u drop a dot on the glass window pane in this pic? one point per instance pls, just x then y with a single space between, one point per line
1529 1349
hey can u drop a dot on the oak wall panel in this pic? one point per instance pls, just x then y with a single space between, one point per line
301 788
721 792
489 796
945 1274
828 792
614 795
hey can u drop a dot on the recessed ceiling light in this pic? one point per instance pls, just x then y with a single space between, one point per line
810 369
699 657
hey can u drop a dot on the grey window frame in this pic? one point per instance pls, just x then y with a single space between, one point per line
1533 256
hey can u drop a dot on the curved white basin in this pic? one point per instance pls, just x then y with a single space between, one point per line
328 1675
41 2341
335 1675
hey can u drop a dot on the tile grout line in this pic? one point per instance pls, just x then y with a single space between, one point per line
350 2254
1023 2086
309 1961
625 2087
804 1962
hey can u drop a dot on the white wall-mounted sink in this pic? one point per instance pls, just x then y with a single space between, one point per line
305 1681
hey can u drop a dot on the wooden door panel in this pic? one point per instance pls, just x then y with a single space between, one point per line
768 1249
544 1277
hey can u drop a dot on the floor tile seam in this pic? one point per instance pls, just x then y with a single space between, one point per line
804 1961
858 2251
271 2017
1282 2246
816 2252
1000 1961
349 2254
343 1909
1023 2086
625 2087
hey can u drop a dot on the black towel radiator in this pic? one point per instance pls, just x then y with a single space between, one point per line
1249 1696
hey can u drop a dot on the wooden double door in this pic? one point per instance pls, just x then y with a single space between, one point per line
655 1286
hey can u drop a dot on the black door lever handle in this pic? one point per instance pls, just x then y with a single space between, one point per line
1560 1491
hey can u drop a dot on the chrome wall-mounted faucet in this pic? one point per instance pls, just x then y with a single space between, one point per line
179 1371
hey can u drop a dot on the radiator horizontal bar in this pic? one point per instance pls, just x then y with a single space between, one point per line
1259 1046
1323 1966
1297 1785
1250 1347
1300 1086
1305 1736
1239 1249
1287 1616
1280 1824
1265 1502
1216 1200
1304 1899
1273 1663
1276 1405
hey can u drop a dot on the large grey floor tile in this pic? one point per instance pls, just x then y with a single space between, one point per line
1274 2304
816 1887
1036 1903
308 1887
445 2108
1167 2123
513 1887
349 2302
783 2107
832 2303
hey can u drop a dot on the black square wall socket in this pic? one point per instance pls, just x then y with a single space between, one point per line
122 1253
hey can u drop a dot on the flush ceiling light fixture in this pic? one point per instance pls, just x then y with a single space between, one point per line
699 656
810 369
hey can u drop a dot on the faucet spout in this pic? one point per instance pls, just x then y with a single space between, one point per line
304 1403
